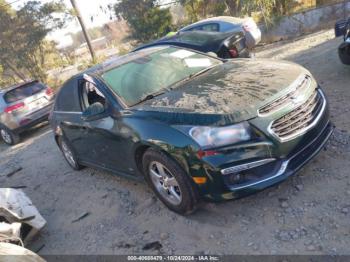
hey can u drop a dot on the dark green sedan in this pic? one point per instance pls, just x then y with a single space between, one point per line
193 126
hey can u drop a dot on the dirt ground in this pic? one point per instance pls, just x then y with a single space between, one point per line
307 214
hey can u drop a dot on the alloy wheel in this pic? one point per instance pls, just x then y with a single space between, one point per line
68 154
165 183
6 136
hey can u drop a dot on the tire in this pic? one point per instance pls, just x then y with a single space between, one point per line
8 136
69 154
344 53
179 195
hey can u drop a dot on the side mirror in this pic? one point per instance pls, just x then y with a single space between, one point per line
94 112
340 28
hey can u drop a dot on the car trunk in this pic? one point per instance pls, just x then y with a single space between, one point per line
27 99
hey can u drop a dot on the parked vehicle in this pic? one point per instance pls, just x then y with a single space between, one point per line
192 125
22 106
223 45
342 28
229 24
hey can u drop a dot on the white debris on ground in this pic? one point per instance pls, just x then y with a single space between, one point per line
16 208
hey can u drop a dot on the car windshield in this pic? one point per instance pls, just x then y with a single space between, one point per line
155 72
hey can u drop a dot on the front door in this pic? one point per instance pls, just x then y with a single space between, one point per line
102 140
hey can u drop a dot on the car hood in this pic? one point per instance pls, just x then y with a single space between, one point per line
229 93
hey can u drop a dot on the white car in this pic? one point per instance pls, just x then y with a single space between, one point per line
229 24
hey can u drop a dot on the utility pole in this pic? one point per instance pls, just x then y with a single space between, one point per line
82 24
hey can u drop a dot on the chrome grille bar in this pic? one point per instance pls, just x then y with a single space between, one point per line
299 120
302 83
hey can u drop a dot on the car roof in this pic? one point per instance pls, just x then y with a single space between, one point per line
9 88
204 37
217 19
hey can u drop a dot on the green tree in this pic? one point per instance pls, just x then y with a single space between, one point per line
199 9
268 9
6 79
23 47
146 19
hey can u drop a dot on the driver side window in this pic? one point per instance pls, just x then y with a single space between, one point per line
90 94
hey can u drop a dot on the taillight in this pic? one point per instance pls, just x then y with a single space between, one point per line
202 153
249 25
15 107
233 52
49 91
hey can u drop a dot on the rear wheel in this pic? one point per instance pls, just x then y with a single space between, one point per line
69 154
8 136
344 53
169 182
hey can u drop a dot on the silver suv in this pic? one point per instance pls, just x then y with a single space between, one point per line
23 106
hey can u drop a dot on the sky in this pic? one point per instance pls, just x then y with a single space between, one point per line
88 8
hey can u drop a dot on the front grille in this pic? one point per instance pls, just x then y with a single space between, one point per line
300 85
300 119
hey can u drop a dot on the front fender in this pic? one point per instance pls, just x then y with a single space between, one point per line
164 138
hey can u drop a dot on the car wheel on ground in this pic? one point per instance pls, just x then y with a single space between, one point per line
344 53
69 154
8 136
169 182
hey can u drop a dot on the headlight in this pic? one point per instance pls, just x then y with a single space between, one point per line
219 136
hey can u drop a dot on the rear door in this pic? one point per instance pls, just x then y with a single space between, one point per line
68 113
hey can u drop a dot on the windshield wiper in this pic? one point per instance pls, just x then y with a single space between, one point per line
201 72
191 76
151 96
162 91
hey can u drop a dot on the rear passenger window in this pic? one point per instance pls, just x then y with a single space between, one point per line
68 97
211 28
23 92
208 27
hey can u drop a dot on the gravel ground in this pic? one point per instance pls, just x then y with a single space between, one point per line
307 214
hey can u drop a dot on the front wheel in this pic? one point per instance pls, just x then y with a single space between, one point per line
169 182
8 136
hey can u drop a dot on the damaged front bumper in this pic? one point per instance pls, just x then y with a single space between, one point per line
262 174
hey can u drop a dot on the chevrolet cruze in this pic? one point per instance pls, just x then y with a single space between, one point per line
193 126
